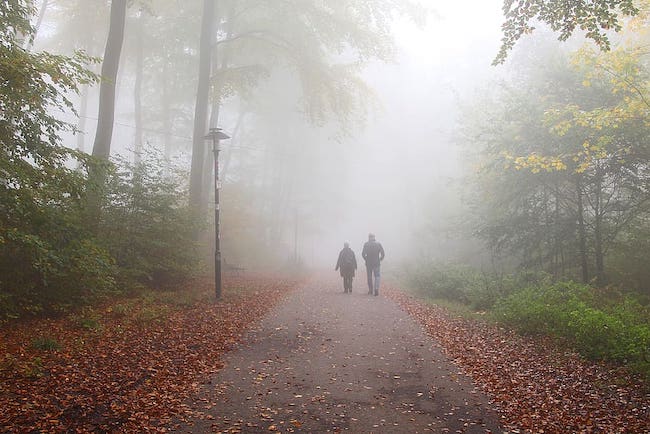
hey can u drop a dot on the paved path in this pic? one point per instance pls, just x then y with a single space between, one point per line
325 361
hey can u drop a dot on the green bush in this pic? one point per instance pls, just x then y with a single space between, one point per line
466 285
53 256
40 193
601 330
51 269
147 225
600 323
541 309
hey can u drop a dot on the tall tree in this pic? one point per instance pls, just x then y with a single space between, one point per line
137 87
110 64
578 146
201 106
324 45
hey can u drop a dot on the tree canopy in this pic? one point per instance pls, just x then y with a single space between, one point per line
594 18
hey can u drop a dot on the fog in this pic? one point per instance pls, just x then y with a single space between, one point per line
298 181
404 166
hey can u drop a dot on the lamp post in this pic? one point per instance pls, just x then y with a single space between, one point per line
216 135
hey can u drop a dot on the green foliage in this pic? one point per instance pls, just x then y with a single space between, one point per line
562 179
601 324
45 343
464 284
594 18
151 314
122 309
50 258
46 259
541 309
146 223
615 330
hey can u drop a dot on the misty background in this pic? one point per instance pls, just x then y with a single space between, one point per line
386 117
395 173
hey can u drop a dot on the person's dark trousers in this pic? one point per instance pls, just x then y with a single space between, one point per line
369 273
347 283
373 283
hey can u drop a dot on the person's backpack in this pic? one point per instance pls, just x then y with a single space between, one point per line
348 259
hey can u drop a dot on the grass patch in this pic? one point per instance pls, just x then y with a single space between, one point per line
45 343
123 309
88 319
151 314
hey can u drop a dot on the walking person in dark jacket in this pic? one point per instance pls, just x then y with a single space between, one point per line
373 253
347 263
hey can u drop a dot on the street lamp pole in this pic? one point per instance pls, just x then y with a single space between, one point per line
216 135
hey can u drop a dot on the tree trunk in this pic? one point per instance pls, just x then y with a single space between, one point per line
110 64
218 63
201 107
37 26
83 112
137 92
557 240
166 111
598 232
582 232
106 116
208 159
235 137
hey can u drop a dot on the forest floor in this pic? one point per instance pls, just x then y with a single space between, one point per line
130 365
288 355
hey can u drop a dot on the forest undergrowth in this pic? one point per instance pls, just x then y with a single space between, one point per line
130 365
536 384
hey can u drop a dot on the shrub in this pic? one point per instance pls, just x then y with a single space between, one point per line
614 331
147 225
466 285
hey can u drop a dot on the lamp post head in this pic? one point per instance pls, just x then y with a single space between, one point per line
216 133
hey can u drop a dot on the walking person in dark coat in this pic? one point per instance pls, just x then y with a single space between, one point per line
373 253
347 263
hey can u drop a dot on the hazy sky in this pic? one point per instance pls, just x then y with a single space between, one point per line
405 157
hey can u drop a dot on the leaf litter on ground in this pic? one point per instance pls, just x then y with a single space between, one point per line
536 385
135 372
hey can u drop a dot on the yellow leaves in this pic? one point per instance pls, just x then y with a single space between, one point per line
582 159
534 162
582 167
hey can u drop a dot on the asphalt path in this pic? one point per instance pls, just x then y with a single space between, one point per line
325 361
